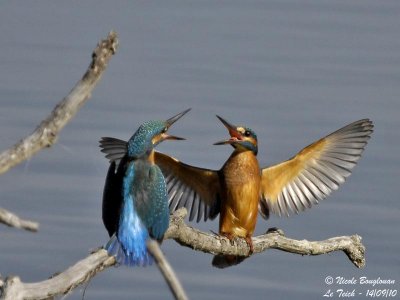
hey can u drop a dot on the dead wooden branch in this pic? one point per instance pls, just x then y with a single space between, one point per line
46 133
12 220
84 270
166 270
211 243
63 283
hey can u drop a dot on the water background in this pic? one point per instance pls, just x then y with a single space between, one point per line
293 71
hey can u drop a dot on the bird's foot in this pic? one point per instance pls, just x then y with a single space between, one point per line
214 233
249 242
230 237
276 231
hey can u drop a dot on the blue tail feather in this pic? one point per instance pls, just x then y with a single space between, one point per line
128 258
128 244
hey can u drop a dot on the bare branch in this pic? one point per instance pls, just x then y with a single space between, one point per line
60 284
12 220
167 271
215 244
84 270
46 133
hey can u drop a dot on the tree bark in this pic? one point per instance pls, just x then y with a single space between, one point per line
274 239
84 270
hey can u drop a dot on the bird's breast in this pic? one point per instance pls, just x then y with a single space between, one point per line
241 193
241 168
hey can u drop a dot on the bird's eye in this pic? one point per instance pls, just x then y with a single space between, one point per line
247 133
164 130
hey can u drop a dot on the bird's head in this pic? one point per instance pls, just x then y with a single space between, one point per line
242 138
150 134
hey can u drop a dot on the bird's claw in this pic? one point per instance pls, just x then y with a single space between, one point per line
275 230
249 242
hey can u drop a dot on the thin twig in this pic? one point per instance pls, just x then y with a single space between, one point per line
167 271
46 133
12 220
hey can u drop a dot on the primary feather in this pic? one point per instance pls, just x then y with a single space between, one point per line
316 171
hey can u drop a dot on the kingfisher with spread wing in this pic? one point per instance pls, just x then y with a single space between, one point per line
241 188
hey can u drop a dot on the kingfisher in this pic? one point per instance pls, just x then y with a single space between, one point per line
241 188
135 203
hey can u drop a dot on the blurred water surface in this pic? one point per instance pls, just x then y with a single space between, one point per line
291 70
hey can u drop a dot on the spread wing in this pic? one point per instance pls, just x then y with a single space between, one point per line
114 149
317 170
197 189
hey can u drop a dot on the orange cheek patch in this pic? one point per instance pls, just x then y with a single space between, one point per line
156 139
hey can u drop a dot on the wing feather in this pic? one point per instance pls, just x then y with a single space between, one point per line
310 176
112 199
115 149
197 189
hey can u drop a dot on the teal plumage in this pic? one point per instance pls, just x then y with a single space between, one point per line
135 204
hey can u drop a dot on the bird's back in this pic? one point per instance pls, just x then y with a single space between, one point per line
142 212
151 202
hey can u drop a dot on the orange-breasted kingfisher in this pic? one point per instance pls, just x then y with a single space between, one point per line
241 188
135 203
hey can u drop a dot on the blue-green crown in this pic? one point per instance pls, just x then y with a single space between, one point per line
247 144
141 142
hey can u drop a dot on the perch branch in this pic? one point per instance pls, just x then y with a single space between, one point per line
84 270
12 220
211 243
46 133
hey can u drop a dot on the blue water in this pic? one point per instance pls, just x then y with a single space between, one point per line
293 71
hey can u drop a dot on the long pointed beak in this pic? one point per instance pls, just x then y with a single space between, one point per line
172 137
235 135
175 118
171 121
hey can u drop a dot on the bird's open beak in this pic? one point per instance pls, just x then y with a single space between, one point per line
235 135
175 118
171 121
171 137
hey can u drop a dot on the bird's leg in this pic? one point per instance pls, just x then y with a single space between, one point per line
249 242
